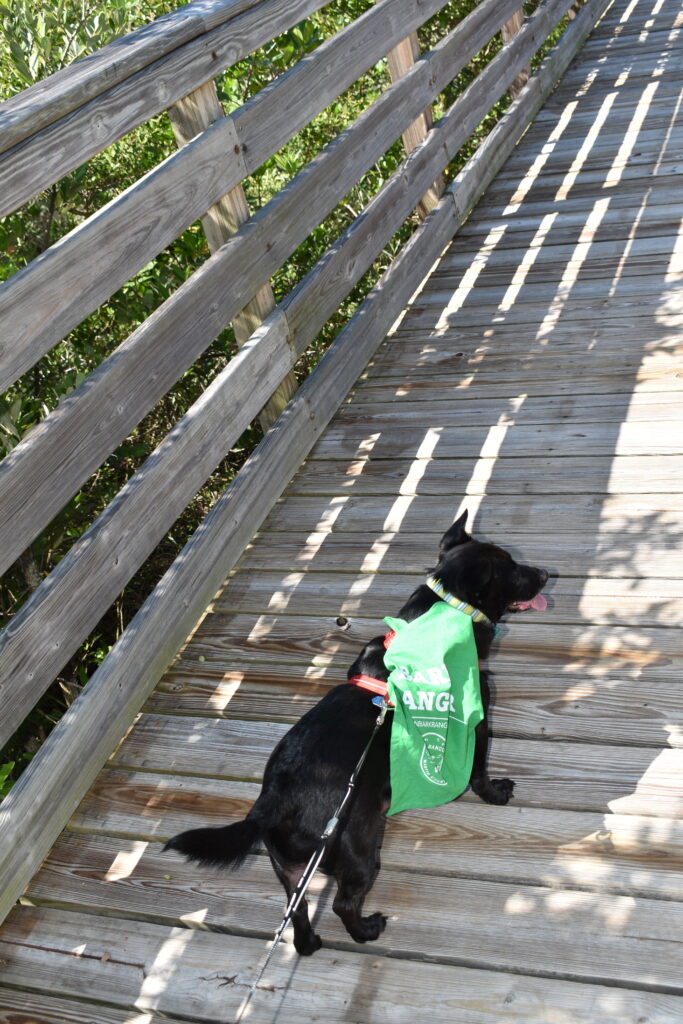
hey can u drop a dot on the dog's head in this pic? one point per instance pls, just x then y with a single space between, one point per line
486 575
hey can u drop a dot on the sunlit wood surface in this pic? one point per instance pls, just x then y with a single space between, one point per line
537 381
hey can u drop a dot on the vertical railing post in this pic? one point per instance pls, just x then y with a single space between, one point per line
190 116
508 31
400 60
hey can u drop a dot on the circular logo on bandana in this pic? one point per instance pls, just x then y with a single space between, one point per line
432 757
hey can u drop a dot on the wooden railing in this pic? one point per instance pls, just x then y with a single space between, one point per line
54 127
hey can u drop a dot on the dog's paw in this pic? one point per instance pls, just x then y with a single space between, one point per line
373 926
501 791
493 791
308 946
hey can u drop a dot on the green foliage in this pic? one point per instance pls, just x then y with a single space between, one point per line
40 39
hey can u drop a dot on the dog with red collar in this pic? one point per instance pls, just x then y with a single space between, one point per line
307 774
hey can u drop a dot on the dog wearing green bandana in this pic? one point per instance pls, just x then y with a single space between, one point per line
430 747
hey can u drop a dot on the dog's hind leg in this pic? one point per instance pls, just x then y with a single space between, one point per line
355 876
306 942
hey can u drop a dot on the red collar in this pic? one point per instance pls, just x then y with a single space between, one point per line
372 684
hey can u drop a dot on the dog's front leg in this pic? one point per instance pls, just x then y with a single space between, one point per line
491 791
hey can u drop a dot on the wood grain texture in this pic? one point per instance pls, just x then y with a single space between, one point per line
568 775
458 477
399 61
570 896
129 878
614 601
189 117
83 130
467 838
360 986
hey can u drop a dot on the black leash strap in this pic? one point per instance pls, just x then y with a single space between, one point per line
317 856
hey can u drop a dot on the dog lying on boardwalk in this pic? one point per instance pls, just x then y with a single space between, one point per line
307 774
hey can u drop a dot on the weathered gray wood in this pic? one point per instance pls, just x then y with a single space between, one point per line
184 592
572 552
508 32
60 453
399 61
64 284
190 116
153 966
46 101
587 475
614 852
47 155
616 601
412 900
577 776
70 602
46 1008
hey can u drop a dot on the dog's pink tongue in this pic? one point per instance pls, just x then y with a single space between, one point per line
539 603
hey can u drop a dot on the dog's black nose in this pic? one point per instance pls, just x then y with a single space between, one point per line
545 576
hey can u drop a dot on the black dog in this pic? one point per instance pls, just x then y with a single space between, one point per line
308 772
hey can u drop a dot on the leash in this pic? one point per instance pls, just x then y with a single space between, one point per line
317 855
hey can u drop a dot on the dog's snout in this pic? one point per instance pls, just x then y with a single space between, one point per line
544 576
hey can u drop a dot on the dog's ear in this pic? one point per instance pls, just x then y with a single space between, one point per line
454 536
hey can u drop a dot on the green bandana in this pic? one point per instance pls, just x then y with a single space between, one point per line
434 686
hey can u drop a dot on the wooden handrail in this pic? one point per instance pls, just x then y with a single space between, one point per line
65 284
47 155
86 580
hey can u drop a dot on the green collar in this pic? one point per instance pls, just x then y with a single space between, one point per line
455 602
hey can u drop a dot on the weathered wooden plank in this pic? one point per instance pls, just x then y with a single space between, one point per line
635 301
70 602
469 839
535 702
601 254
566 438
189 117
337 370
132 878
624 602
654 372
400 60
599 516
568 552
638 474
181 971
181 596
508 32
312 640
34 1008
554 774
608 408
616 223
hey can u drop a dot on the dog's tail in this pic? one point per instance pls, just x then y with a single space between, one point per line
226 847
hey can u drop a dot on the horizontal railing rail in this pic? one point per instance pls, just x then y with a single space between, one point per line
58 455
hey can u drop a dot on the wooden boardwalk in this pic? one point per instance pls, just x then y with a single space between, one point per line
537 381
